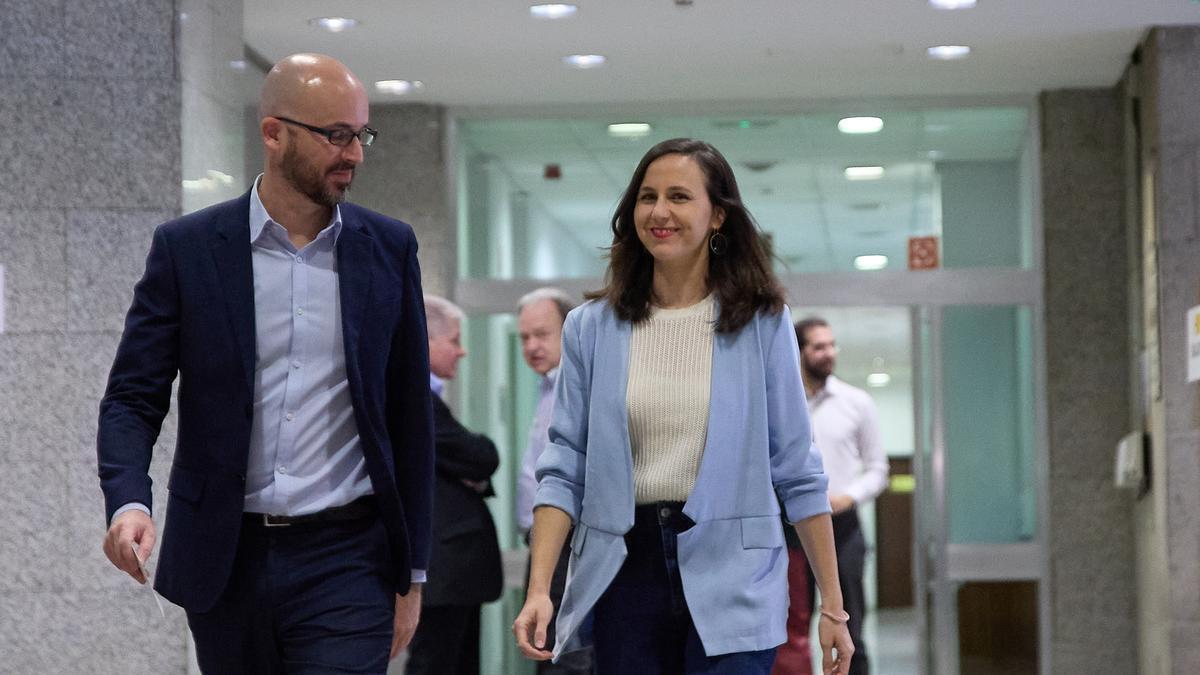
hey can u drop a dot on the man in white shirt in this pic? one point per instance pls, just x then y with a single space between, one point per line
846 431
540 316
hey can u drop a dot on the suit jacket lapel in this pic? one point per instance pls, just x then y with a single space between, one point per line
355 263
230 246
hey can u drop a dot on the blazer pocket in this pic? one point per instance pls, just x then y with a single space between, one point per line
762 532
186 484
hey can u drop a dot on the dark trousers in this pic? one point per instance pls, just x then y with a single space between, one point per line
578 662
851 556
446 641
303 599
642 622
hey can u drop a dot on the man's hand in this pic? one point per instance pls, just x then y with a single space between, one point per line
530 627
840 503
408 612
127 529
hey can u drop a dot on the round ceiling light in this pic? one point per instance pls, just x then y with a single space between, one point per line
948 52
552 11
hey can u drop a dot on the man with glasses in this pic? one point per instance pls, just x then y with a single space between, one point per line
298 517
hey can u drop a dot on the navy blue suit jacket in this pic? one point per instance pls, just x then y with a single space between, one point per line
193 314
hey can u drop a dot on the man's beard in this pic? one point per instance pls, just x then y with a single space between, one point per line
818 371
308 179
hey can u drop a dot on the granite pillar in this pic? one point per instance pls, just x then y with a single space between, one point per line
406 174
1169 521
1090 529
92 124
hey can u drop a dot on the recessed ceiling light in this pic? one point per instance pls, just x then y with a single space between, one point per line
948 52
552 11
878 379
629 129
860 125
398 86
870 262
952 4
585 61
935 154
863 172
238 64
333 24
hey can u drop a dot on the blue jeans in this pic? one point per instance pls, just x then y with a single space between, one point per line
642 622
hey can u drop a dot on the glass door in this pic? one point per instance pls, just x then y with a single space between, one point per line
979 556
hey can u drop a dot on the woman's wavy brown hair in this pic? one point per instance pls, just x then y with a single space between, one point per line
741 278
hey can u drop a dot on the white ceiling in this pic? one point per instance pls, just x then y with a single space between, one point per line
492 53
789 169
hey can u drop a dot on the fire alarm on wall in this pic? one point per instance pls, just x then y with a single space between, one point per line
552 172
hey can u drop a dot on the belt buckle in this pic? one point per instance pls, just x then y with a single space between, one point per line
268 522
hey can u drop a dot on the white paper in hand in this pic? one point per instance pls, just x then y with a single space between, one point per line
149 581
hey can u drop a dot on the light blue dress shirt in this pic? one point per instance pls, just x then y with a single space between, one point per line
527 482
305 454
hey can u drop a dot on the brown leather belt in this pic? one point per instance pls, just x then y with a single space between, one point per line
363 507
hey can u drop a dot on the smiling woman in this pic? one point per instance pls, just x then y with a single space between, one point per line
711 465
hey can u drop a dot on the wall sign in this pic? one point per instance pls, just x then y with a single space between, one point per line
1193 344
923 253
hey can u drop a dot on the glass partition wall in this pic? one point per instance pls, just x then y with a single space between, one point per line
951 354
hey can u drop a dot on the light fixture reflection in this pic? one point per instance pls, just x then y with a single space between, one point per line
629 129
860 125
952 4
878 379
870 262
863 172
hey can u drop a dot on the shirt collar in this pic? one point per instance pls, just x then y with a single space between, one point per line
436 385
259 217
550 378
830 389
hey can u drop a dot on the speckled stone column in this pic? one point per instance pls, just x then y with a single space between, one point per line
90 161
1090 530
1171 114
406 175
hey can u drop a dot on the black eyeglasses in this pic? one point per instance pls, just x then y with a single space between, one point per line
338 137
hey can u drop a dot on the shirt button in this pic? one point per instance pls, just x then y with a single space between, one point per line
300 311
299 260
282 470
290 416
295 364
664 512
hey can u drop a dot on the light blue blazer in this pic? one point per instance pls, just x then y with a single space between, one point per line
759 447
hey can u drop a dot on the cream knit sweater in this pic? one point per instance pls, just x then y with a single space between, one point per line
670 380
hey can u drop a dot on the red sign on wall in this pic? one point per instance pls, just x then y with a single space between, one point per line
923 253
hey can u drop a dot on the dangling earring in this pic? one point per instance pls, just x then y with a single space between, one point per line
717 243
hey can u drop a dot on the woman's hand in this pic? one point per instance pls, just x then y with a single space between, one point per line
835 635
530 626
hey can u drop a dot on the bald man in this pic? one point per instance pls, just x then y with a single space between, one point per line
298 513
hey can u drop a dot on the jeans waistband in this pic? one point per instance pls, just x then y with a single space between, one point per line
658 514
